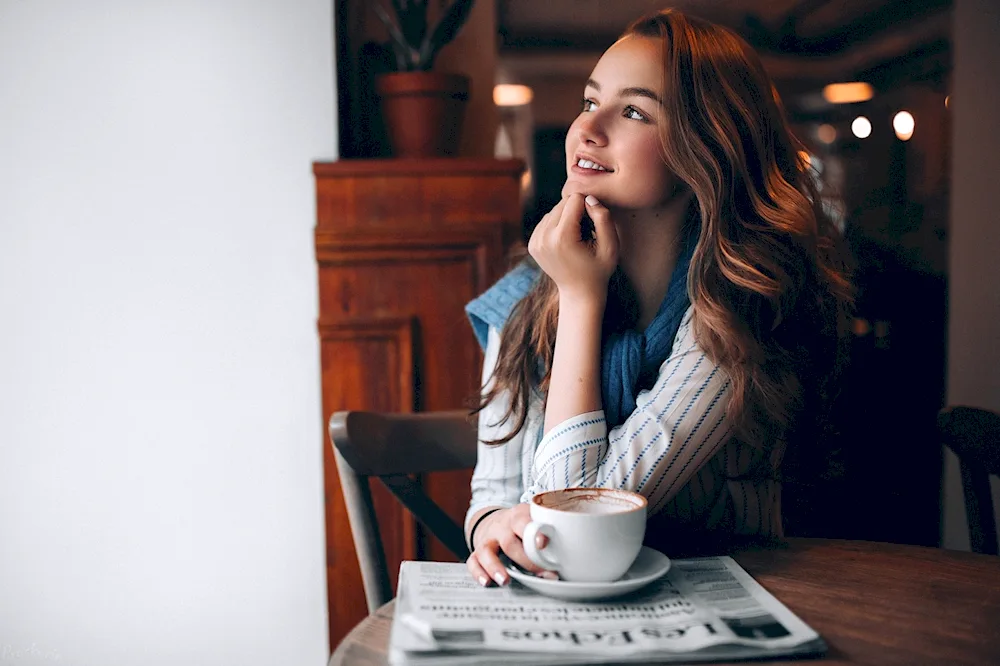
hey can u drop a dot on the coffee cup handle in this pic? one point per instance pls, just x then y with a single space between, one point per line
536 555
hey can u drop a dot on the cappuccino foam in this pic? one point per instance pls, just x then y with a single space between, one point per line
593 504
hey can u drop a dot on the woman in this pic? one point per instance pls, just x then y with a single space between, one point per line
679 343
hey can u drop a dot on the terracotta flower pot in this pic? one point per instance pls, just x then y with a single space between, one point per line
423 112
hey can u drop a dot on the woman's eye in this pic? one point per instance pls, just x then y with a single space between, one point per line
633 113
589 105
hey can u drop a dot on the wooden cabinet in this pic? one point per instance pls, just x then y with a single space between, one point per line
401 246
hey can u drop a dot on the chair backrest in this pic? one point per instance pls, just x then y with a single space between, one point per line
974 435
391 447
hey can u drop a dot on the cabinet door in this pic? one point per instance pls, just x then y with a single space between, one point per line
395 337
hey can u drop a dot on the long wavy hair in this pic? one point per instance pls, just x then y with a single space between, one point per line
768 279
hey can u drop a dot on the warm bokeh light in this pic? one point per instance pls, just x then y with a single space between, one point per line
847 93
510 94
827 133
862 127
903 123
947 101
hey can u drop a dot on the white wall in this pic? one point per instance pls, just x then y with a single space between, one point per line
160 434
974 239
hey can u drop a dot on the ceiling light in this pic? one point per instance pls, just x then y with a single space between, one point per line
847 93
861 127
510 94
903 123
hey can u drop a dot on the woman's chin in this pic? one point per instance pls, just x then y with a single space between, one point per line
572 186
577 186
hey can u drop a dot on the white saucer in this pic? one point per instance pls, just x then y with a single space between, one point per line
648 566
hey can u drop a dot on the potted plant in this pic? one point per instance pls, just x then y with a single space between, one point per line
423 110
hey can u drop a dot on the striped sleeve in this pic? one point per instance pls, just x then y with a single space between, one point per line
676 428
496 480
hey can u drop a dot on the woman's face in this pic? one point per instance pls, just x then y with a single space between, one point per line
613 146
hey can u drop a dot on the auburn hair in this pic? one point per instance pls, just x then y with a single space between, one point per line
768 278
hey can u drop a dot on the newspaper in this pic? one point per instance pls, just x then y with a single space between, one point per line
703 609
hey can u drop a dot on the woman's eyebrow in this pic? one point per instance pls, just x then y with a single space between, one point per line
640 92
631 91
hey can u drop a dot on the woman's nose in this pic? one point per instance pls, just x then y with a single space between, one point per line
590 129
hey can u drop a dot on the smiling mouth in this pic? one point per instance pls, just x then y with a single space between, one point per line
591 165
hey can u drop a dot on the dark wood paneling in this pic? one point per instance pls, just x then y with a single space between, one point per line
402 246
367 363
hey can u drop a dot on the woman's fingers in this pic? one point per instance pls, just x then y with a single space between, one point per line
552 217
487 565
542 230
559 230
488 555
484 563
605 231
519 519
481 573
515 551
493 567
580 261
572 212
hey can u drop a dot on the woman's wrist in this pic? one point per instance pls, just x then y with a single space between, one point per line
479 523
583 306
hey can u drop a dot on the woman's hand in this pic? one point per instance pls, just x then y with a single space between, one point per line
580 268
502 531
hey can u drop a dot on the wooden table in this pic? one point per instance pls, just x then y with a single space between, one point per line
874 603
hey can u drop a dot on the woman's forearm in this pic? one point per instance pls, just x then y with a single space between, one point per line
575 380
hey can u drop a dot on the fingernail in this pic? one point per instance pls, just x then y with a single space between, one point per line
549 575
540 542
484 581
591 200
499 578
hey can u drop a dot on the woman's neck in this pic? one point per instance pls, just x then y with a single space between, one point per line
650 243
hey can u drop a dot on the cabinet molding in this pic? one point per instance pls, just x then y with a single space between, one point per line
401 246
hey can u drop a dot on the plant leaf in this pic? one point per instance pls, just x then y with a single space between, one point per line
400 46
412 19
446 29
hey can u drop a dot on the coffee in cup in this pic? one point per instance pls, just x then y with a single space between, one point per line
594 534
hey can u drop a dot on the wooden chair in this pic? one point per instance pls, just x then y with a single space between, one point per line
974 435
391 447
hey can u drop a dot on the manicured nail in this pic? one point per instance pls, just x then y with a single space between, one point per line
540 541
499 578
591 200
484 581
549 575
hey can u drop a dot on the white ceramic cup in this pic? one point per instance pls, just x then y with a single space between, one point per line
594 534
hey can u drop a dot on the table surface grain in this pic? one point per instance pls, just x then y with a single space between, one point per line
873 603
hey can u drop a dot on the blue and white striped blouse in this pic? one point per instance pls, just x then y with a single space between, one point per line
675 448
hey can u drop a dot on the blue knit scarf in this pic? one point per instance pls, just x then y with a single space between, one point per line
630 361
